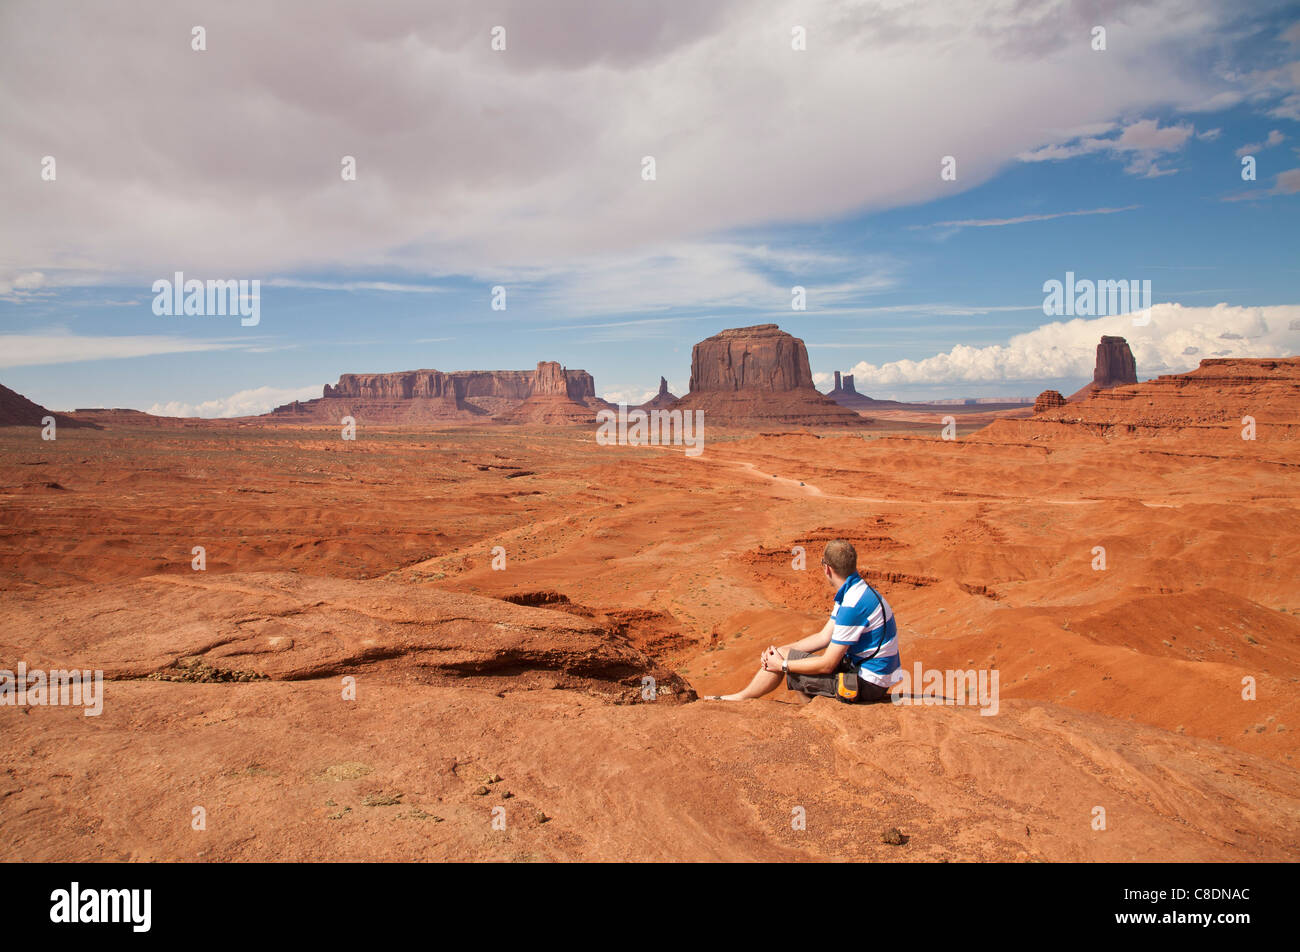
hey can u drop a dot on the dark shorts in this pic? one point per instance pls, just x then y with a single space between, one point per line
823 685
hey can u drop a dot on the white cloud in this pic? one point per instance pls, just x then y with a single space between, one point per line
1147 135
1174 341
1141 142
1288 182
1285 80
29 350
244 403
1285 183
470 161
1021 219
1274 138
1148 169
632 396
18 285
713 276
355 286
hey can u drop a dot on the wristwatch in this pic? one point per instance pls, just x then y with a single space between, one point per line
785 666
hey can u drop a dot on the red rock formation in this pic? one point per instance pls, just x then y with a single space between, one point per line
462 384
550 380
1211 400
1048 400
1115 367
758 358
505 384
759 376
428 636
17 410
549 402
433 396
846 395
100 417
399 386
662 401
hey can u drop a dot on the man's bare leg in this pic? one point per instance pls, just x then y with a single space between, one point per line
764 683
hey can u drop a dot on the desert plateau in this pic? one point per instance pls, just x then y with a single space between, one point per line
521 686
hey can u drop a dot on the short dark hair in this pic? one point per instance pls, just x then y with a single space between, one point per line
841 557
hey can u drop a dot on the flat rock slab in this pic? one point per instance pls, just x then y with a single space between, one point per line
289 771
284 626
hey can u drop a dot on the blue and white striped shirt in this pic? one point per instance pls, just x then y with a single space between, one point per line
864 621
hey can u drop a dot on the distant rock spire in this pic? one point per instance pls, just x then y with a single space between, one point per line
1115 364
662 400
1115 368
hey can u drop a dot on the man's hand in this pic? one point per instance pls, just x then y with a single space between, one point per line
772 659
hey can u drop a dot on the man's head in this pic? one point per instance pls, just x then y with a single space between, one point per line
839 561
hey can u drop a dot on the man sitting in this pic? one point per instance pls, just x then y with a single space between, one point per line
861 640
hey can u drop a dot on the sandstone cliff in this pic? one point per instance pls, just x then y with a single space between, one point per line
758 358
17 410
1115 367
550 400
1211 400
432 396
1048 400
759 376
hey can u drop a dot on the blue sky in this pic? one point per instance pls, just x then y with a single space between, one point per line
1125 165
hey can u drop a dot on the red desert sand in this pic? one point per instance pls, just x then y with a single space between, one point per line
516 694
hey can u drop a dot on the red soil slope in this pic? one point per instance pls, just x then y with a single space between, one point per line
1121 684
